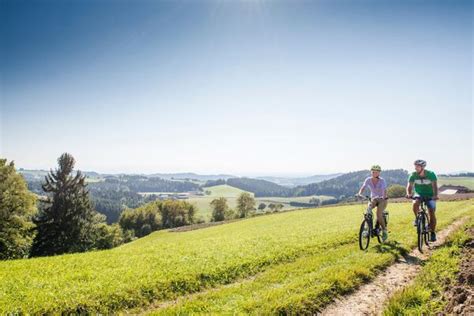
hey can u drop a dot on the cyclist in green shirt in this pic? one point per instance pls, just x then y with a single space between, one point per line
423 183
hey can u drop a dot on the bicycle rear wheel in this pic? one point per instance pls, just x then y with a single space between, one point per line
364 234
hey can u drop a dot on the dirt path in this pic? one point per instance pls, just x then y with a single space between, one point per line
370 298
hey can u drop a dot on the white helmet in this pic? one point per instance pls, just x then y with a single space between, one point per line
420 162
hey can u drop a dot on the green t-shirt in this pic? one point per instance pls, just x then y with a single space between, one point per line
423 186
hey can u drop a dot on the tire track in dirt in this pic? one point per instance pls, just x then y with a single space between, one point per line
370 298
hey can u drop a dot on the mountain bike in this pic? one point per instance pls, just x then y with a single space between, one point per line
367 229
422 224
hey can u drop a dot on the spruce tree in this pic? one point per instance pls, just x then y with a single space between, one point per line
17 207
67 221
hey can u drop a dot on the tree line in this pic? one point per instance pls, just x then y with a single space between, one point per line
64 219
246 207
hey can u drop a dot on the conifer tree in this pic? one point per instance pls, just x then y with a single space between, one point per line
67 223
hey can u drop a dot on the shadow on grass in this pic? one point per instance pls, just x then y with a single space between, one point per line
397 250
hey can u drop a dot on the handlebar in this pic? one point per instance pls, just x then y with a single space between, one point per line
422 199
362 197
365 197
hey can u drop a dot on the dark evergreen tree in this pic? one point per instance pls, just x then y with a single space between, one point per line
67 221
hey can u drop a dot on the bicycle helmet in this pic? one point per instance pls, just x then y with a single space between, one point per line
420 162
376 168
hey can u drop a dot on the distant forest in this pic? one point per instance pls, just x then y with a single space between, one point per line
112 195
348 184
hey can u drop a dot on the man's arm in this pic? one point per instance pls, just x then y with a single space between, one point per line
435 189
410 189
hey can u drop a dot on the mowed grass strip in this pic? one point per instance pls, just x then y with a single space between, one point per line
311 282
166 265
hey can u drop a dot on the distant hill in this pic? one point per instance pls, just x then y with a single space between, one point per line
191 176
296 181
259 187
348 184
340 187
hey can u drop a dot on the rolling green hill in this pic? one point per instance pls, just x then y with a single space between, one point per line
348 184
293 262
231 194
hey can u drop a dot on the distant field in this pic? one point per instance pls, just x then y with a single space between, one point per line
203 202
94 180
464 181
286 263
231 194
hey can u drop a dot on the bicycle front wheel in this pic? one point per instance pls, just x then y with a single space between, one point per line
364 235
420 230
426 235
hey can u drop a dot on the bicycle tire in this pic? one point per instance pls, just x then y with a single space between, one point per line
364 241
420 232
426 234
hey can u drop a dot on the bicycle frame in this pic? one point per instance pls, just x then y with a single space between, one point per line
422 223
369 230
370 216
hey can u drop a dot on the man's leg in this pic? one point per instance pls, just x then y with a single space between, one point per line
416 208
432 213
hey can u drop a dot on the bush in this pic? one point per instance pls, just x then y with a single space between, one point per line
111 236
328 201
275 207
157 215
315 201
245 204
396 191
220 210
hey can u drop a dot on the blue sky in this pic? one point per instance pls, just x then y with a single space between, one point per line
249 87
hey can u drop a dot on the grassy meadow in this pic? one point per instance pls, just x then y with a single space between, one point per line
285 262
464 181
231 194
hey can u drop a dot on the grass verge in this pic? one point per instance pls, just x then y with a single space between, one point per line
425 295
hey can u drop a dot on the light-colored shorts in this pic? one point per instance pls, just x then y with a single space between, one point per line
381 203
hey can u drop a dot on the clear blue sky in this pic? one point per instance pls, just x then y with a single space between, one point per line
250 87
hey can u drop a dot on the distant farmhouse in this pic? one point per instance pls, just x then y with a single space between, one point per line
453 189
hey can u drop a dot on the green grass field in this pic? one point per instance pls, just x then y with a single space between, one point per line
286 262
231 194
464 181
